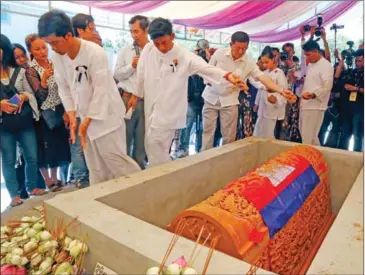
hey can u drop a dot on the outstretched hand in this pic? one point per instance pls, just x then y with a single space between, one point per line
289 95
237 81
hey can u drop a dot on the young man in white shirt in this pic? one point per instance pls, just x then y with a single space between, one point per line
162 80
315 94
220 99
84 28
86 86
126 73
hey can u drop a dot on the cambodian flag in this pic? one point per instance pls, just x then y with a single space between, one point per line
281 192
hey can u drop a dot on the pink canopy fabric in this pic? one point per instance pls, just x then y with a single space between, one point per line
261 19
123 6
330 14
236 14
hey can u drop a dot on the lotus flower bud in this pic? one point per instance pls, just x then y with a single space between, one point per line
189 271
31 233
45 235
35 259
16 260
64 268
4 229
24 261
24 225
173 269
29 246
17 251
153 271
75 251
73 243
26 219
4 247
8 258
45 266
37 226
18 230
83 247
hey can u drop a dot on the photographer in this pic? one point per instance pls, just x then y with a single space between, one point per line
352 103
332 115
286 58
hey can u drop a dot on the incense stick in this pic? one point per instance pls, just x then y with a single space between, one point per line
179 229
210 254
196 245
200 248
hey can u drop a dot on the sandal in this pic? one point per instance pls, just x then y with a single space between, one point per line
82 184
38 192
54 187
16 201
60 183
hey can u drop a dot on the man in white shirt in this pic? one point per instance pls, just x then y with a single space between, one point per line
126 73
315 94
84 28
86 86
220 100
162 80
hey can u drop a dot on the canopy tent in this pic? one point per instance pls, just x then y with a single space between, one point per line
265 21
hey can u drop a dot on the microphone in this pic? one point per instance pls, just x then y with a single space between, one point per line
136 48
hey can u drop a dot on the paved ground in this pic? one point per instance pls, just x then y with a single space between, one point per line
10 213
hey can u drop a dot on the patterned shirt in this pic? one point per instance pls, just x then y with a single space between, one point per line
48 98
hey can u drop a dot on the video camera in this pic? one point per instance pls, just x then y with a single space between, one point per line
318 29
202 45
284 56
349 54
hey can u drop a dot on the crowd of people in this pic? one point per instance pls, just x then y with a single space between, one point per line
73 110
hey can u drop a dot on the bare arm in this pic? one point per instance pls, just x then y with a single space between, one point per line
327 52
270 85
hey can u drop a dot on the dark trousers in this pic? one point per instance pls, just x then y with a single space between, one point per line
331 118
352 123
278 129
20 175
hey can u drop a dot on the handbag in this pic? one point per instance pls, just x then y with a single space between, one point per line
19 121
53 118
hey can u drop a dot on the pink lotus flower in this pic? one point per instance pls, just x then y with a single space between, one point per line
8 270
181 262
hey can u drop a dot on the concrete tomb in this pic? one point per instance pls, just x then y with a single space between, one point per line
275 217
126 219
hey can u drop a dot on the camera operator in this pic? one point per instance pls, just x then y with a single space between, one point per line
352 103
286 63
332 114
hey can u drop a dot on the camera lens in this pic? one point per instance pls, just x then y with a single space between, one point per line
318 32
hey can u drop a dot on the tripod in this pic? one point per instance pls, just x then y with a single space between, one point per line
336 27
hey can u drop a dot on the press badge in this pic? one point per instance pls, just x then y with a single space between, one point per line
353 96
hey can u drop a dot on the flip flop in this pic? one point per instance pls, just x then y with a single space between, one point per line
38 192
16 201
82 184
54 187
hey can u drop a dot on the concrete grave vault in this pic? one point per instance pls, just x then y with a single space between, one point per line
126 219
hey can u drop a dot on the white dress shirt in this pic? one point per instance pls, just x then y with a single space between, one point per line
164 86
267 109
244 67
124 72
91 91
318 80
